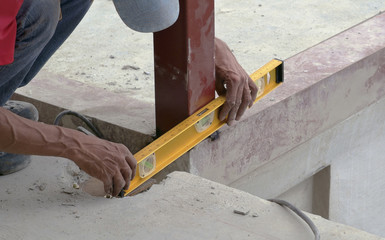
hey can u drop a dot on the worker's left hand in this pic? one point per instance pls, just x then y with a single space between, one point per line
232 81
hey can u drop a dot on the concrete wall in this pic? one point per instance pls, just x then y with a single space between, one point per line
357 191
354 149
329 112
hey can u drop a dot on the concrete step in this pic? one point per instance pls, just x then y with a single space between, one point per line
41 203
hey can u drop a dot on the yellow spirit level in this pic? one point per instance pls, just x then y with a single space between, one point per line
187 134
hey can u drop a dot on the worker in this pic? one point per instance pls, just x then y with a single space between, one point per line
31 31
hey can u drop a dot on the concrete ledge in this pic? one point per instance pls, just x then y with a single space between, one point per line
329 112
119 117
43 205
324 85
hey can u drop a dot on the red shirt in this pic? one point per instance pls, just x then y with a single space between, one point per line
8 26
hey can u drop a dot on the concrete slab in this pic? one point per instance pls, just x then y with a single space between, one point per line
41 203
104 52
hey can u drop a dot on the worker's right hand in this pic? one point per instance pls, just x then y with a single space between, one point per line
110 162
232 81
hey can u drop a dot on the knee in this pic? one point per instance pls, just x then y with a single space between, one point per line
38 18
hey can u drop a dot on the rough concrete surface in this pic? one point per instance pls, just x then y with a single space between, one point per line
357 173
41 203
104 52
355 151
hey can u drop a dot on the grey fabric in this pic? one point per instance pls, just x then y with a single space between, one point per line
23 109
9 162
148 15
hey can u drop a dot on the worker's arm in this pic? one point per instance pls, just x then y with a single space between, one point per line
112 163
232 81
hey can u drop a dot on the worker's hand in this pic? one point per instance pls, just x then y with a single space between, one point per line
232 81
110 162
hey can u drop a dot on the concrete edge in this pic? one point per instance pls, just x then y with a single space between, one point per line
323 86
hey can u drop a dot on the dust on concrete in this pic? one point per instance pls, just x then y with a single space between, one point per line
103 52
182 207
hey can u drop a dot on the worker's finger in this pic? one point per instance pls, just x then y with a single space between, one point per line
119 183
220 87
234 110
253 91
226 109
130 159
107 182
126 174
231 99
246 99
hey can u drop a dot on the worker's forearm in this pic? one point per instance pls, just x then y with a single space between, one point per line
110 162
219 45
23 136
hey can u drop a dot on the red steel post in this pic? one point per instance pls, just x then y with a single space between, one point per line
184 64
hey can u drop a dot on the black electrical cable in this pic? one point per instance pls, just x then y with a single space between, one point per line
300 214
81 117
82 129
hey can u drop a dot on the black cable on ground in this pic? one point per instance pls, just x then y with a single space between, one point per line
300 214
81 117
